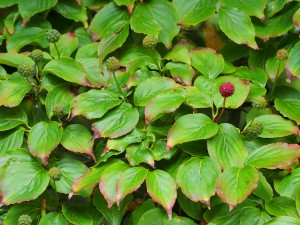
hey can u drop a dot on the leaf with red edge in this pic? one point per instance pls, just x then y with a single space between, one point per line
77 138
162 189
275 155
109 179
130 180
235 184
43 138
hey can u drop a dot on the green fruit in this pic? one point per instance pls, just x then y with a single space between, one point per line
150 41
112 64
36 55
58 110
254 130
52 36
55 174
259 103
24 220
281 54
25 69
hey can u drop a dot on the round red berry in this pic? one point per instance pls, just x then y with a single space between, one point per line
226 89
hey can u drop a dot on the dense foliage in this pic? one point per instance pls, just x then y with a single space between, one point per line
149 112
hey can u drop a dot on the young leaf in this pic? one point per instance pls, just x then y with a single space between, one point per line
197 178
130 180
289 108
234 185
191 127
53 218
282 206
11 118
43 138
227 147
23 181
95 103
237 26
77 138
117 122
162 189
208 62
272 156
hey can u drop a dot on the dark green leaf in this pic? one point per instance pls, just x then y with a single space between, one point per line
263 189
254 216
140 210
28 8
282 206
11 118
192 209
11 140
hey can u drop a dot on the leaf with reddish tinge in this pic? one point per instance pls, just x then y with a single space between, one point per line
296 18
235 184
117 122
130 180
162 189
272 156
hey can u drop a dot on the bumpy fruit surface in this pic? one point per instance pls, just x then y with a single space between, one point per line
254 130
150 41
281 54
112 64
259 103
24 220
226 89
25 69
55 174
58 110
52 36
36 55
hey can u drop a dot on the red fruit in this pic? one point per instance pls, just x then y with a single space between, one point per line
226 89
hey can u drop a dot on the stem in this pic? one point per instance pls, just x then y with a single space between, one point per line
56 49
276 77
219 117
118 85
37 73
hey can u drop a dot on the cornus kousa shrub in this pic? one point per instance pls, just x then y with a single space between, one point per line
149 112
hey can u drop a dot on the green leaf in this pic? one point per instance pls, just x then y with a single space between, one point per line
255 216
180 220
191 127
272 156
289 108
179 53
148 18
162 189
159 150
257 75
268 28
237 26
292 64
197 178
234 185
263 189
227 147
274 6
241 91
109 179
197 98
274 67
114 214
77 138
88 51
282 206
195 11
117 122
110 43
296 18
23 181
11 118
13 90
130 180
121 143
7 3
53 218
288 185
66 68
11 140
252 7
128 3
25 36
95 103
60 95
66 45
138 153
72 10
207 62
157 216
43 138
28 8
14 59
70 169
286 220
182 73
110 19
151 87
192 209
165 102
142 208
275 126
